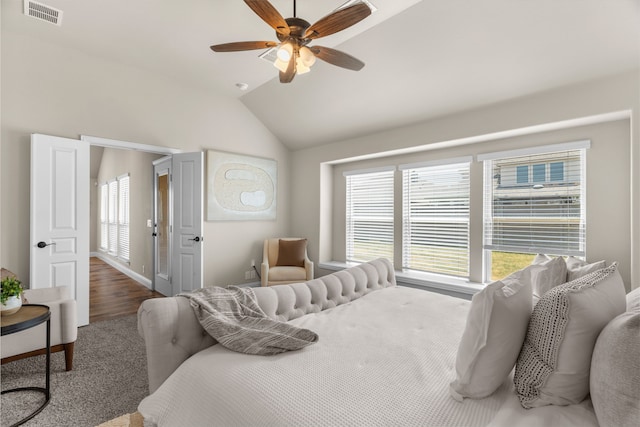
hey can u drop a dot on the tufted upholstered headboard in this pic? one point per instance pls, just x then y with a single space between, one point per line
172 333
288 302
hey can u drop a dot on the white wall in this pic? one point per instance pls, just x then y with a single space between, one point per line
50 90
313 183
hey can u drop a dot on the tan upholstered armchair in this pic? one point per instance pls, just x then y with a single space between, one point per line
285 260
64 327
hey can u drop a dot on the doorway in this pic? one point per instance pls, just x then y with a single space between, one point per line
118 284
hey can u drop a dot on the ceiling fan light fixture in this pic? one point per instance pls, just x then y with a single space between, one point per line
281 65
301 68
307 57
285 51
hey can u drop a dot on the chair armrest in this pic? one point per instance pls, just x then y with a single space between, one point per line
264 274
43 295
63 308
64 329
308 266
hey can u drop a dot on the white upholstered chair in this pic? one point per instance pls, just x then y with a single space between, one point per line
64 327
285 260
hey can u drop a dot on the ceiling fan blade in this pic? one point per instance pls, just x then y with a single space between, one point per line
238 46
338 21
269 14
287 76
336 57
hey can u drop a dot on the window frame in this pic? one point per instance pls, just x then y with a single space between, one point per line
115 219
124 217
513 156
378 175
445 264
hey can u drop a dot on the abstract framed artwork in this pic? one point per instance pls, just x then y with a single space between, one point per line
240 187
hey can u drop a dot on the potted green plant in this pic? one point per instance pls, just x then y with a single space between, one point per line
11 295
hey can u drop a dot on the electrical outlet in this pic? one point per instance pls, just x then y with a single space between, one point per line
247 275
253 263
143 269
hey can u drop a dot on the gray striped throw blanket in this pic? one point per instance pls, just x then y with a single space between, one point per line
232 316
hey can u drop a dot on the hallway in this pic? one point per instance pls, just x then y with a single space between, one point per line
112 293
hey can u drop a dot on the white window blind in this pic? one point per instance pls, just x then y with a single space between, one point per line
113 217
436 218
369 216
104 217
123 217
536 203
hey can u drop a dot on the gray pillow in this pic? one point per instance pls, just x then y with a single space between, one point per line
555 359
615 372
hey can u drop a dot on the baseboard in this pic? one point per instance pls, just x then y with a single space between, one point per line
124 269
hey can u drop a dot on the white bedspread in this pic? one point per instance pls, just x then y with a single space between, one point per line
385 359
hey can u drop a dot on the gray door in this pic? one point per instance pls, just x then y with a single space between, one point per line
178 216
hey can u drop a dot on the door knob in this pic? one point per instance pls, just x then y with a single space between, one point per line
196 239
44 245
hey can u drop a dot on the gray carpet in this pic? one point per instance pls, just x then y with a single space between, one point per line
109 378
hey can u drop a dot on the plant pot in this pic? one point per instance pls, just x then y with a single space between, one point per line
11 305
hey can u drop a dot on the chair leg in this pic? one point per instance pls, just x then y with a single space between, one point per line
68 356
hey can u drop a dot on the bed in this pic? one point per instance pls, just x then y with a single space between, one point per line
386 356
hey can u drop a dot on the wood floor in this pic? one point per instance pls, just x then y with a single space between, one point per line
113 294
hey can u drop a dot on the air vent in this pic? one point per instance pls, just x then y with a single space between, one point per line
42 12
270 55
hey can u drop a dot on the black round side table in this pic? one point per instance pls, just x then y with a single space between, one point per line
27 317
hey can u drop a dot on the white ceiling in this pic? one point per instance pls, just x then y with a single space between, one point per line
424 58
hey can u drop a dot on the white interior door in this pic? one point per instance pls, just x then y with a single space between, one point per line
162 226
60 217
187 186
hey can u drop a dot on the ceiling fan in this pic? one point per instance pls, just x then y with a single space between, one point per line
294 56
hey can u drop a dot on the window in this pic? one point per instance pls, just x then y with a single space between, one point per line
435 223
522 174
104 217
547 216
114 217
539 173
369 216
556 171
123 217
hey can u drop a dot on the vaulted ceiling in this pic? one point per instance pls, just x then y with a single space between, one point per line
424 58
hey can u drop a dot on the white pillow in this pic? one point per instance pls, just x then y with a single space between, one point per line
553 274
577 268
633 300
615 372
493 335
555 360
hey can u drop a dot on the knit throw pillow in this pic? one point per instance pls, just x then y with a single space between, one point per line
555 359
